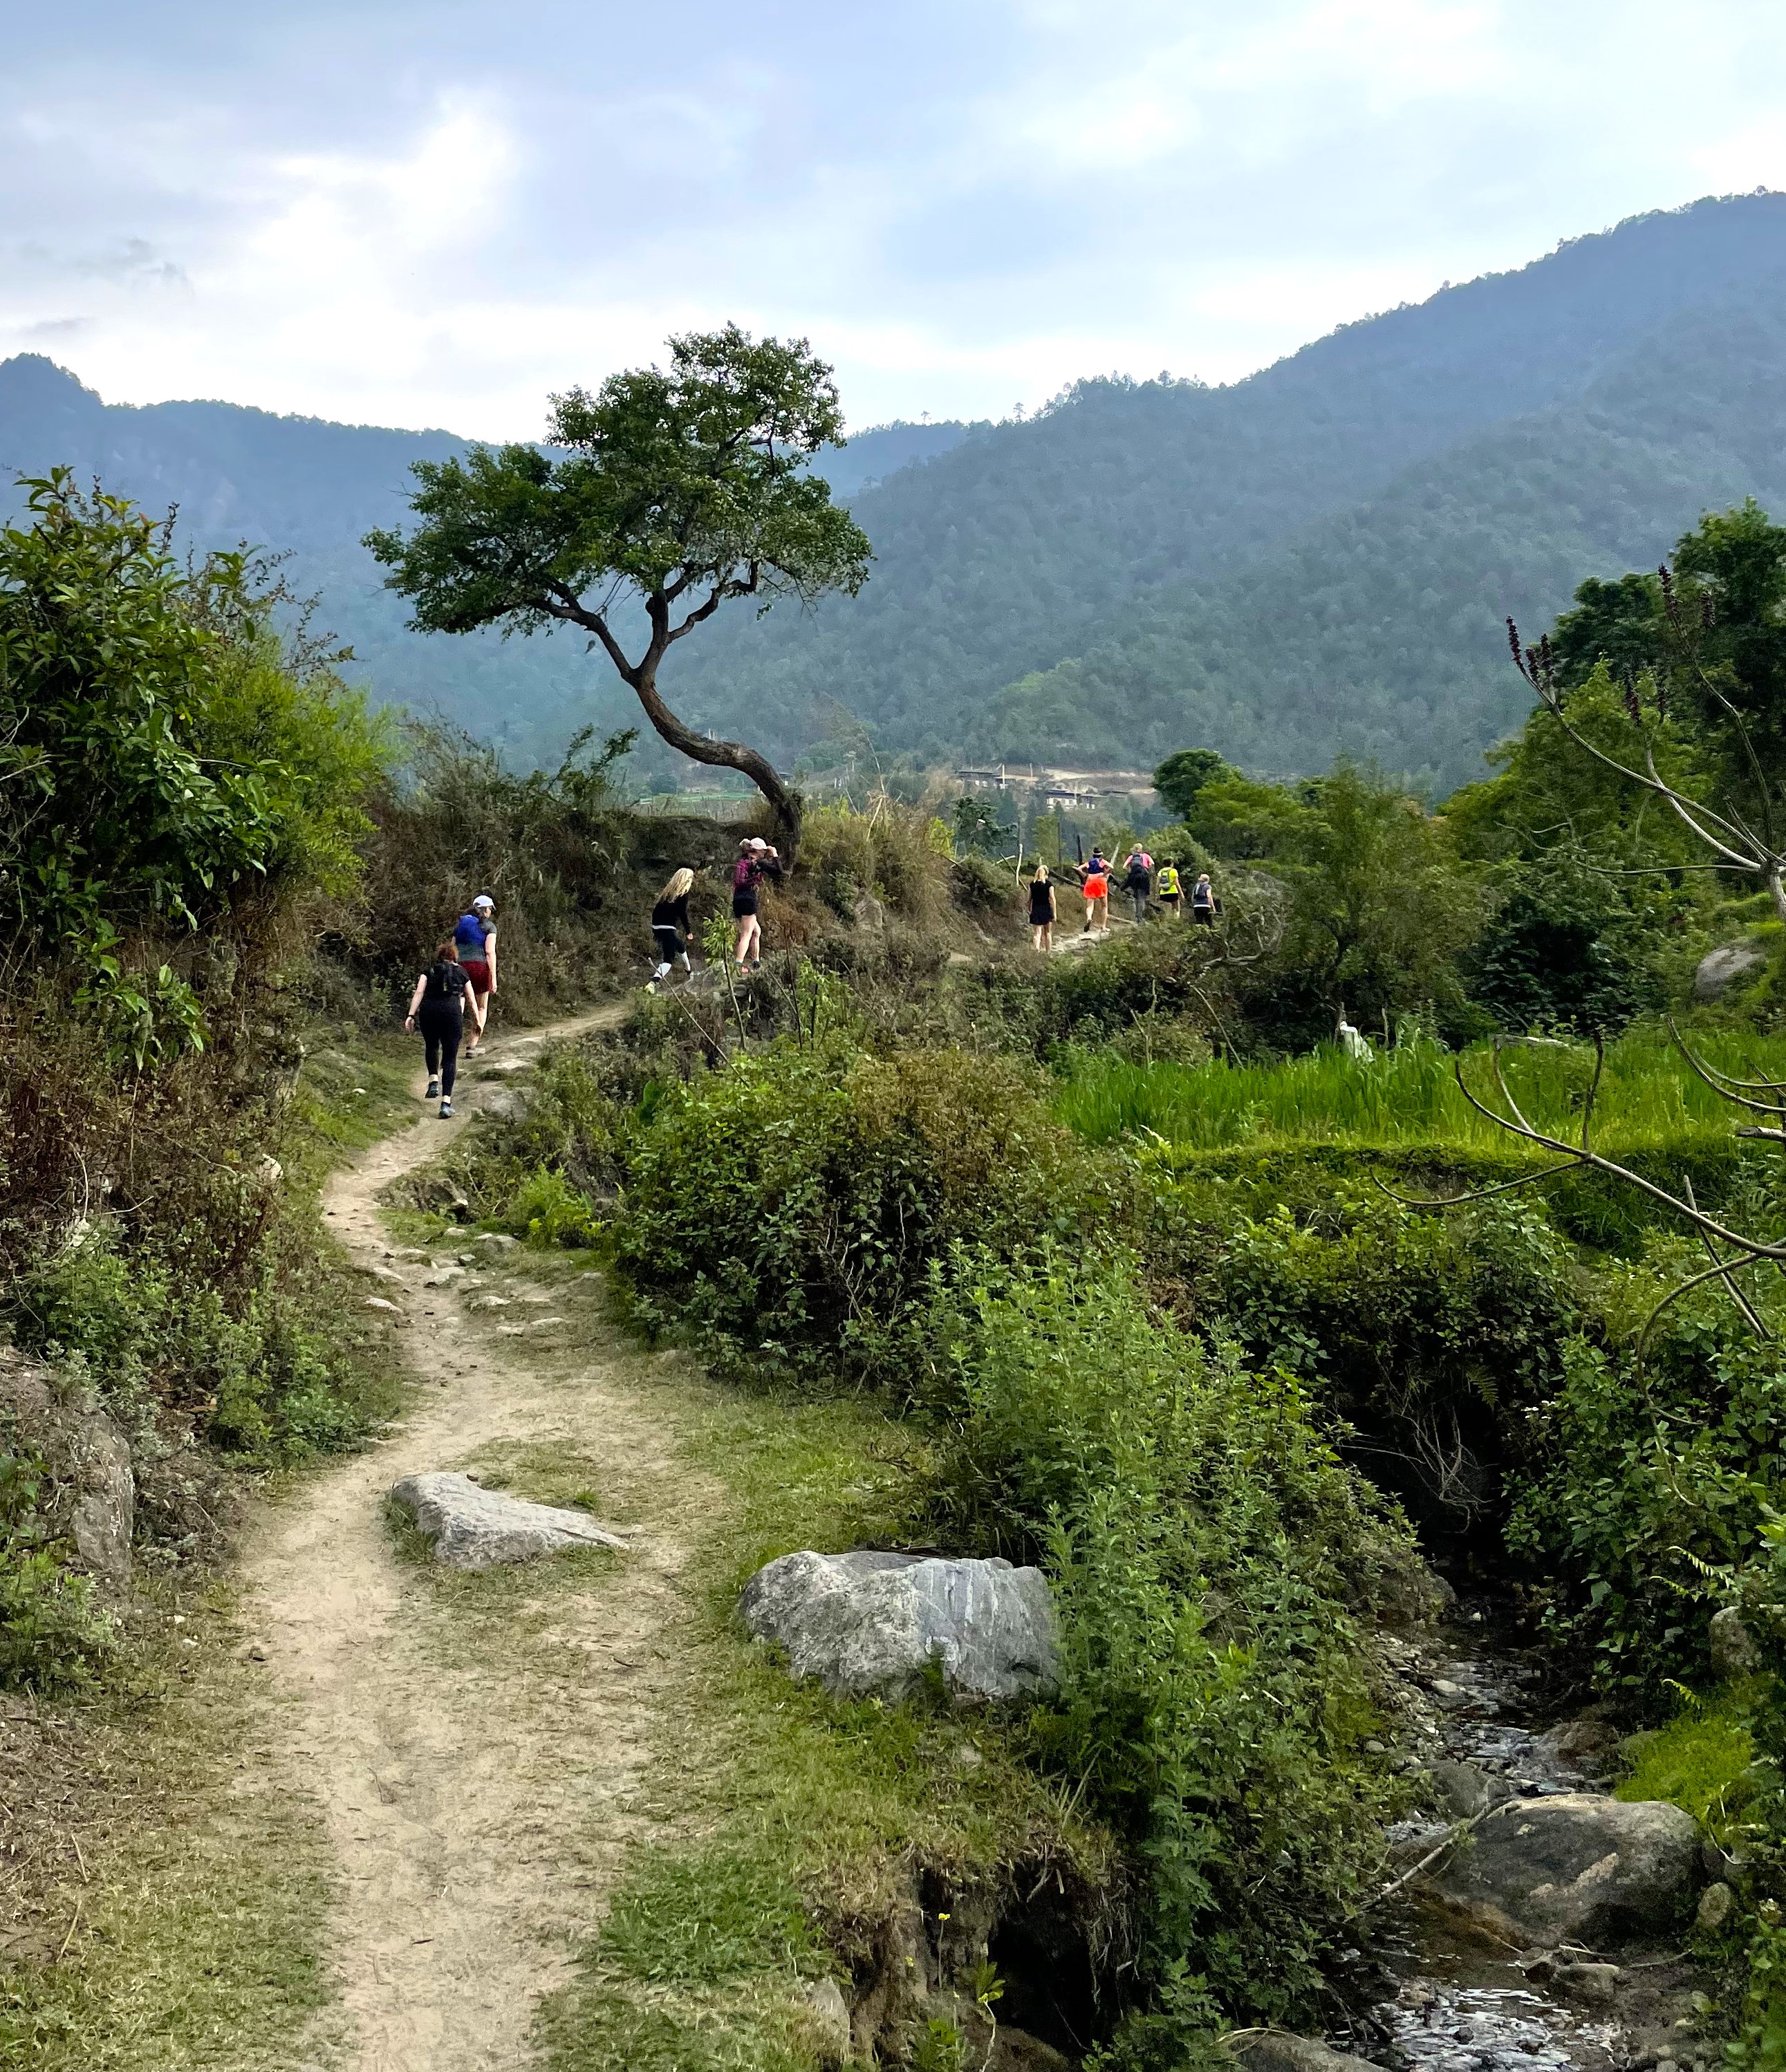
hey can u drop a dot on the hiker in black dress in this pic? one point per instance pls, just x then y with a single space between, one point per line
437 1008
1042 909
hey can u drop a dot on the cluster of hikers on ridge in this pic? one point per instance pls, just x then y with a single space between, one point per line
1138 881
461 979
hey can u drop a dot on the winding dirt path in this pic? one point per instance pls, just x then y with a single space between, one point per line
477 1798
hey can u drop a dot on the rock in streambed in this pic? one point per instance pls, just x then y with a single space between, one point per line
474 1527
1576 1868
872 1625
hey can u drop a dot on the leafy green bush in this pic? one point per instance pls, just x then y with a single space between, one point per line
546 1209
1642 1501
791 1207
1212 1560
1434 1336
1565 951
258 1356
161 758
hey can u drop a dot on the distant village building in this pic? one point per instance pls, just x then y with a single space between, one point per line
1063 790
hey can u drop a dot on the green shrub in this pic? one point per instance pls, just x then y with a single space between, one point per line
546 1209
1642 1501
256 1350
1565 951
1212 1559
791 1207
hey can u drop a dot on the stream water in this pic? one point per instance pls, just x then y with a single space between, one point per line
1453 2002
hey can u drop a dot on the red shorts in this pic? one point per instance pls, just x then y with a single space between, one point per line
478 972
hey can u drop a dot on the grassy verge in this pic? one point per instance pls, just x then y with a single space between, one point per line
180 1926
166 1901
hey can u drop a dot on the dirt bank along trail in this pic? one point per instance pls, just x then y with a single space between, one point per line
476 1797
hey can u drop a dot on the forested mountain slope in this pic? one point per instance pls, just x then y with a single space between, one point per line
310 489
1101 526
1380 631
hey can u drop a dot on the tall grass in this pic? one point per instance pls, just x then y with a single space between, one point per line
1409 1094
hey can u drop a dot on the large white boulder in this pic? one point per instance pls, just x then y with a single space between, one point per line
871 1624
475 1528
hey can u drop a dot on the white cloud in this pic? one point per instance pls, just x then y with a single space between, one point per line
412 214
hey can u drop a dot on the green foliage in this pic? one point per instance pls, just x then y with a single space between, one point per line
1417 1328
256 1350
1728 636
1699 1760
1642 1501
1210 1554
159 760
1379 906
1564 951
982 827
1183 775
689 488
53 1636
791 1207
941 2048
547 1209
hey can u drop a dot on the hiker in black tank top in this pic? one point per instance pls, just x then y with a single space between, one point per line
437 1009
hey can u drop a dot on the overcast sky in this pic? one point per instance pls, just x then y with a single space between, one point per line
435 214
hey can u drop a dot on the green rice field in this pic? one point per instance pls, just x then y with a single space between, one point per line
1409 1096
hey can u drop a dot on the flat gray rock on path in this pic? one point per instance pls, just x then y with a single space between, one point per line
474 1527
1577 1868
870 1625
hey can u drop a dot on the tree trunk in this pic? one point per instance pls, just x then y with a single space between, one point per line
786 805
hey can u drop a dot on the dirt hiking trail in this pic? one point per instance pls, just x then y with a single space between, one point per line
476 1798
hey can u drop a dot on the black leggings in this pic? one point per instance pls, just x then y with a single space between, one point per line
440 1035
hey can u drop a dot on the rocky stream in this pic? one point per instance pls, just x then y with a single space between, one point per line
1550 1932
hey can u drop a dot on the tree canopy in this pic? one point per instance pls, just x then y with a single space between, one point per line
688 488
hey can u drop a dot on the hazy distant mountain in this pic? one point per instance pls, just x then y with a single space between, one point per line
1315 559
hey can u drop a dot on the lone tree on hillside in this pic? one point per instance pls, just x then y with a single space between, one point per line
688 487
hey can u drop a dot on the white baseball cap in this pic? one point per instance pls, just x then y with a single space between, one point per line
483 899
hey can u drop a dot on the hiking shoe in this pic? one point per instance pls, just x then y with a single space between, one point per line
446 1110
433 1091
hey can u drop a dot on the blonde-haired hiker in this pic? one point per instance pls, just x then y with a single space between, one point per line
670 925
1043 914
